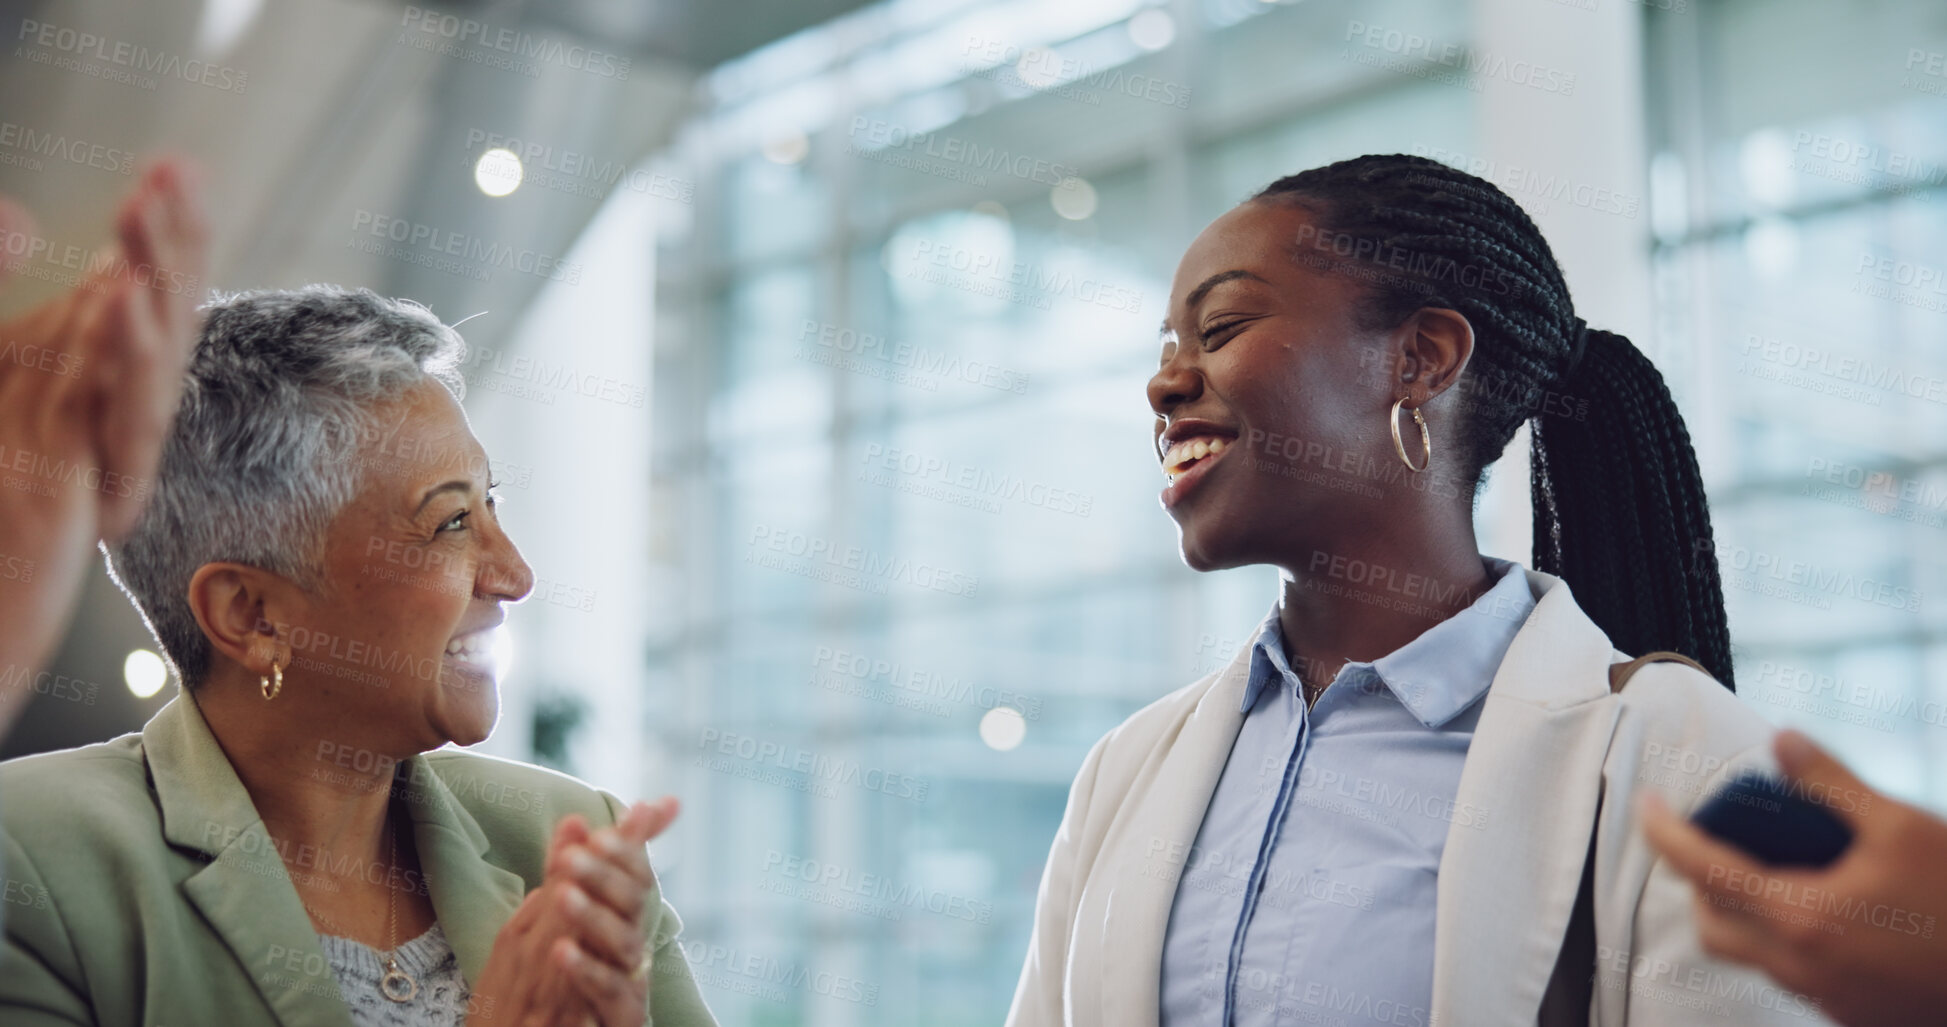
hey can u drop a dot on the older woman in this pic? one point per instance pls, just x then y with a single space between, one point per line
322 564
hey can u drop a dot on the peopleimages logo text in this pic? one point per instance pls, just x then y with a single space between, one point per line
59 39
515 42
65 149
469 249
870 135
851 563
921 359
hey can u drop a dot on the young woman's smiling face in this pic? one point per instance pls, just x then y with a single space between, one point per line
1267 370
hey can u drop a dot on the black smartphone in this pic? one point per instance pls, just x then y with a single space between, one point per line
1771 819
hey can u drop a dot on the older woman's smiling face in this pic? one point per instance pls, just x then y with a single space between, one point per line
415 570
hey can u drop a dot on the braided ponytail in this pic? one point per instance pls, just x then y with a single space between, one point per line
1619 508
1619 505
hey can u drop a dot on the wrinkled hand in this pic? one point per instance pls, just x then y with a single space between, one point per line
89 382
573 948
1865 937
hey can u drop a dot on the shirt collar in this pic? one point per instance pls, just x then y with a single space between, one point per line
1436 675
1268 663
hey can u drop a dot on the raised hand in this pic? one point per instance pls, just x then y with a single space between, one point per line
88 384
146 331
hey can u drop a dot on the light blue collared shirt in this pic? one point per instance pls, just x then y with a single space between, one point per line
1309 894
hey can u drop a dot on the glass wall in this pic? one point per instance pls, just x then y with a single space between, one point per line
1801 239
905 551
909 537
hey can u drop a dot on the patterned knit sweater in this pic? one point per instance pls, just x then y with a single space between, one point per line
428 959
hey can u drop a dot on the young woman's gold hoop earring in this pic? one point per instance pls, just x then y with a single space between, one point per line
272 683
1426 440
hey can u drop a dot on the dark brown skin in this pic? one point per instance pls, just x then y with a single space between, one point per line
1877 970
1279 350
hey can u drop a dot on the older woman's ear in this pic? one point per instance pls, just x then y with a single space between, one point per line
247 613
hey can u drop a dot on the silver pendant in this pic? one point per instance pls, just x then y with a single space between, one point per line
396 984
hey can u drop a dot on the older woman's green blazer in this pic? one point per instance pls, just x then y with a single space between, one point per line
141 887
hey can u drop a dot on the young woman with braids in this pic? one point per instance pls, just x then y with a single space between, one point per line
1409 800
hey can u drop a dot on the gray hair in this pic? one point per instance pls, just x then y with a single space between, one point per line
264 451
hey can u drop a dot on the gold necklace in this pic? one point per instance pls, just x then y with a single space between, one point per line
1311 695
395 984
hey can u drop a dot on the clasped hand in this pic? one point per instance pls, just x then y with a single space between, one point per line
573 954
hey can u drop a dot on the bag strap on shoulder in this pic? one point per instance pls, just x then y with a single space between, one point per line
1571 988
1620 673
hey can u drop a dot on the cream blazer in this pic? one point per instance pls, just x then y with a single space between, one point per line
1552 775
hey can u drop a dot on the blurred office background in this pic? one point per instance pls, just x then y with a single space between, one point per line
810 347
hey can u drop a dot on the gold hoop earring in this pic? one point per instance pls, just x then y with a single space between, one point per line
272 683
1426 440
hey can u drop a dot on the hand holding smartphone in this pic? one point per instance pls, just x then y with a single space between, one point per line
1769 818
